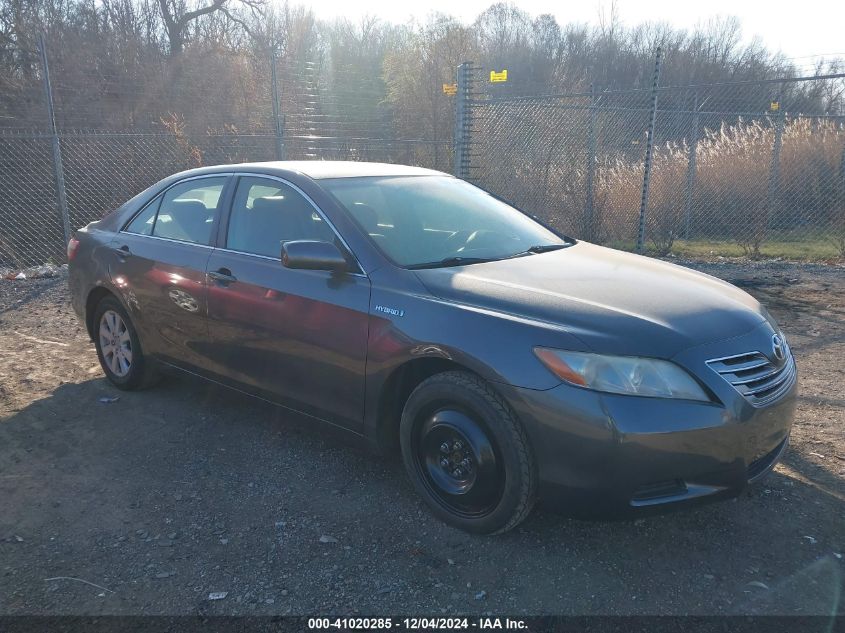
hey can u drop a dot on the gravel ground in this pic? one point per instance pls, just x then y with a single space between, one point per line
148 504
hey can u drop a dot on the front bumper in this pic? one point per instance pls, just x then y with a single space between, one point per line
605 454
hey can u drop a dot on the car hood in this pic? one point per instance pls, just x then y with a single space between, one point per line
614 302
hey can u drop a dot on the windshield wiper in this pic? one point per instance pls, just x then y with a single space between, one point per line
463 261
544 248
453 261
539 248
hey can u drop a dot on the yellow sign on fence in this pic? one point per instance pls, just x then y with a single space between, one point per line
450 89
774 106
498 77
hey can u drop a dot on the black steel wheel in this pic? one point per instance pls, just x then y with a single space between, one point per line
458 461
467 454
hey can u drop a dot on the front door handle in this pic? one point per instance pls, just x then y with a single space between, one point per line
222 275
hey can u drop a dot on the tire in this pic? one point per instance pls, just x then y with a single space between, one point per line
119 349
467 454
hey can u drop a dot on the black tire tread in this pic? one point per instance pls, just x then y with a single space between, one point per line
528 491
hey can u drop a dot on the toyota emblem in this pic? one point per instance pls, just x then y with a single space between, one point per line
778 347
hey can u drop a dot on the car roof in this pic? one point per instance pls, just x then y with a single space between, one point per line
319 169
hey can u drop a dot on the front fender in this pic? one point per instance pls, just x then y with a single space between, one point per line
406 327
499 347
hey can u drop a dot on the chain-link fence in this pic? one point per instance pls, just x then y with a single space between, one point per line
755 168
720 169
56 180
101 170
30 220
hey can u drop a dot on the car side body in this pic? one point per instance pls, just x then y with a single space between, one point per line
349 348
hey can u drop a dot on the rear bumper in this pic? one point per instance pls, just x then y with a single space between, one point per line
77 293
611 455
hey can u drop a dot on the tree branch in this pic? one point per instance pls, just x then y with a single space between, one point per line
196 13
242 23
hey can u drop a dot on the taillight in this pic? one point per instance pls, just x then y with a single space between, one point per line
72 248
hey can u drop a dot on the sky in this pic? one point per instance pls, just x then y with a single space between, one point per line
802 31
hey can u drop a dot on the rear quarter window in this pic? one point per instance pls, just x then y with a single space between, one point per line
143 223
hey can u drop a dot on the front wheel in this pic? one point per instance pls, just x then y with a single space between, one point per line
467 454
119 349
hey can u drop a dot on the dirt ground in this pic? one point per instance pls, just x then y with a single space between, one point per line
148 504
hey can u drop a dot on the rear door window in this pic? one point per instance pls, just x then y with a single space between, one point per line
187 210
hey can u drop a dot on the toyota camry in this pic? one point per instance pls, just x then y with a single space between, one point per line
424 316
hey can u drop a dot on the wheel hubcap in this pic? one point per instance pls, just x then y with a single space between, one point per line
115 343
458 462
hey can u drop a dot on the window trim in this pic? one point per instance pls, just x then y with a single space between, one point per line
223 233
218 213
171 240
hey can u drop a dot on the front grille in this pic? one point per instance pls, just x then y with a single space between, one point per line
755 376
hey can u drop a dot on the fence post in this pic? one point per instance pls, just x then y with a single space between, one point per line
277 117
58 170
773 193
648 151
842 176
589 200
841 205
462 121
691 167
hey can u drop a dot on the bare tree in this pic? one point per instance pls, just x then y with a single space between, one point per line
177 17
120 63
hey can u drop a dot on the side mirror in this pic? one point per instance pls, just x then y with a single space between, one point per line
313 255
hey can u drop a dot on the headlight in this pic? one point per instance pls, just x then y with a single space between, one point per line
629 375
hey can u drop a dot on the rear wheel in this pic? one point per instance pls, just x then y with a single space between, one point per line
119 349
467 454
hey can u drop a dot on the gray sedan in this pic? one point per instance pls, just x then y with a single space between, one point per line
419 314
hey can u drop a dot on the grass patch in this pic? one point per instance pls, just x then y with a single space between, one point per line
789 249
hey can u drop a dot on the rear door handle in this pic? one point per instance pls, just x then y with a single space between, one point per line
223 276
122 251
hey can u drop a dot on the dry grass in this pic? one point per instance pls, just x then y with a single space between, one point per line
542 167
734 197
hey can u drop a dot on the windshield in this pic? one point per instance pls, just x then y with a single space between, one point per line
427 221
